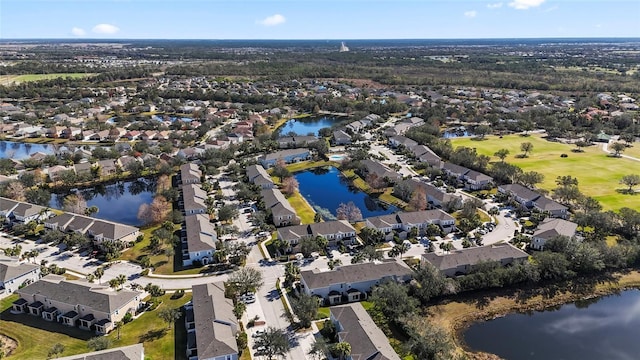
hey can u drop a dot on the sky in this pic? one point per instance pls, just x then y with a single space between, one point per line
317 19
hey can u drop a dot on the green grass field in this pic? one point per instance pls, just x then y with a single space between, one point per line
8 79
598 174
35 336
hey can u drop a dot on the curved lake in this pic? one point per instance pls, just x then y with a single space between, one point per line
326 188
305 126
117 202
19 151
596 329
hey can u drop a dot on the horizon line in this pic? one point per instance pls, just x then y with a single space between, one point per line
324 39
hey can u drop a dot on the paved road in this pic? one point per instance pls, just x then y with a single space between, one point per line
605 148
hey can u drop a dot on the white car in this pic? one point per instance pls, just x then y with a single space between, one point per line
248 298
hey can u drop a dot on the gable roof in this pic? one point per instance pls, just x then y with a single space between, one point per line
201 234
316 229
285 153
11 268
190 171
474 255
520 191
215 323
454 169
131 352
355 273
274 200
550 228
74 292
545 204
110 230
361 332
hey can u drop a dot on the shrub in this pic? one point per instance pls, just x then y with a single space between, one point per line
178 294
242 341
127 318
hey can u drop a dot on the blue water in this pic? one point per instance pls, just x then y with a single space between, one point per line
19 151
117 202
305 126
604 328
327 189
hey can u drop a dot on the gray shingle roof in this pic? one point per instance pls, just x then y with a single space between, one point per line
111 230
474 255
550 228
11 268
285 153
274 200
201 234
97 297
215 323
131 352
316 279
361 332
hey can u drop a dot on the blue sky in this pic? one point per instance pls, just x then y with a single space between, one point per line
317 19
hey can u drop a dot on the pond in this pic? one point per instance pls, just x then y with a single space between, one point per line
118 202
305 126
601 328
326 188
20 151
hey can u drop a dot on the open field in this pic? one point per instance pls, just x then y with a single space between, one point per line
598 174
35 336
8 79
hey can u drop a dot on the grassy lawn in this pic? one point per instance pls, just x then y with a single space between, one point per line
323 313
302 208
35 336
633 151
597 173
160 341
305 165
37 77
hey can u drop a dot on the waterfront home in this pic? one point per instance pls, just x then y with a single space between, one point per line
14 274
356 327
333 231
198 240
257 175
107 167
131 352
296 141
460 262
435 197
76 303
83 168
26 212
282 212
380 170
403 222
193 199
340 137
351 283
551 228
288 156
211 324
190 174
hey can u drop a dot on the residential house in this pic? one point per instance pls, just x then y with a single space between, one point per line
356 327
548 206
83 168
426 155
103 230
131 352
454 170
436 198
211 324
551 228
296 141
26 212
459 262
198 240
282 212
333 231
351 283
59 222
193 199
396 141
475 180
339 137
76 303
7 206
288 156
404 222
125 161
107 167
55 171
258 175
524 196
380 170
190 174
14 274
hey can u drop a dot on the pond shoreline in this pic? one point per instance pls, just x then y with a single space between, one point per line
490 305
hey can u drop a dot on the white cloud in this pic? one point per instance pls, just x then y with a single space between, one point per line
76 31
107 29
272 20
525 4
494 5
470 14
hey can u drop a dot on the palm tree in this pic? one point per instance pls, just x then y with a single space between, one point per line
291 273
399 250
343 349
121 279
118 326
333 263
99 273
